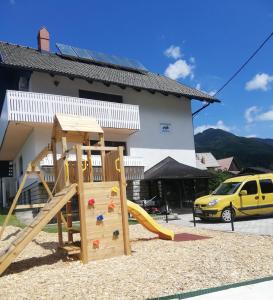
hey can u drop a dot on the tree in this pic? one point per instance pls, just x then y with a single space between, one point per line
218 178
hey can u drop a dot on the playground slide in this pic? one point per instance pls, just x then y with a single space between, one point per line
148 222
27 234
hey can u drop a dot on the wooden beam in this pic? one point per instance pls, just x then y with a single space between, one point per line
83 232
89 160
99 148
59 218
44 152
102 144
123 202
28 206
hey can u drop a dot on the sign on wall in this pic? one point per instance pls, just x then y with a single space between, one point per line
165 128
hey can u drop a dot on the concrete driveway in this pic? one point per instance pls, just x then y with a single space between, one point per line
253 225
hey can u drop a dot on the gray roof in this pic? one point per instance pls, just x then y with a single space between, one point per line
32 59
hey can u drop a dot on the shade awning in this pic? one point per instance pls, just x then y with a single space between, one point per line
170 168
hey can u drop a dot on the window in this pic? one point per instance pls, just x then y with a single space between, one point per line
266 186
227 188
100 96
21 169
251 187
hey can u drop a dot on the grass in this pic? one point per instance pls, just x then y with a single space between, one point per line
50 228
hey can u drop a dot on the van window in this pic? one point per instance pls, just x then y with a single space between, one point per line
250 187
266 186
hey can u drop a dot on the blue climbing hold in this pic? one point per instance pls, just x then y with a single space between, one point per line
100 218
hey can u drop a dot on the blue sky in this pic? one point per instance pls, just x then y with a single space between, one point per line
200 43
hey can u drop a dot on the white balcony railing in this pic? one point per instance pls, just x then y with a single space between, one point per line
40 108
129 161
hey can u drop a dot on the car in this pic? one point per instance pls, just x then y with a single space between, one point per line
249 195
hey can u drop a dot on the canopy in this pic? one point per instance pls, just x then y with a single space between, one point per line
169 168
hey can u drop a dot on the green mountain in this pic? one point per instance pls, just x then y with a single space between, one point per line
249 152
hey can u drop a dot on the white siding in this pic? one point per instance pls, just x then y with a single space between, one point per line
156 108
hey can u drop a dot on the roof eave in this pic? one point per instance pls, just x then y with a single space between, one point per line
190 97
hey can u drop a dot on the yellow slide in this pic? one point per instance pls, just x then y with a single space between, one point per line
148 222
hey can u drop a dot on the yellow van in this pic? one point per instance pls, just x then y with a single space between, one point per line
249 195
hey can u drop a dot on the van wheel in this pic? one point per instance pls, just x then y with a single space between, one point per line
226 215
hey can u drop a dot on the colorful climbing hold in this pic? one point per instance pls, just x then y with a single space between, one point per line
100 218
116 233
115 189
111 205
96 243
91 202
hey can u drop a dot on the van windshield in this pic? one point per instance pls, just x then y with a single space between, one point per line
227 188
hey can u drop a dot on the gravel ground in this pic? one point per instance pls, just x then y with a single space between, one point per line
156 267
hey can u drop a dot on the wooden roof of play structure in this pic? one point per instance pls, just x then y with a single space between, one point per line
68 125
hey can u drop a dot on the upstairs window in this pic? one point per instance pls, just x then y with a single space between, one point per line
100 96
266 186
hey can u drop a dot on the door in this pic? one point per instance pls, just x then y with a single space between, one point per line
266 199
249 202
172 194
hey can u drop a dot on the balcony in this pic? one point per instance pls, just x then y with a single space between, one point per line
38 109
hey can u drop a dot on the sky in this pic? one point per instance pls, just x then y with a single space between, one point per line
199 43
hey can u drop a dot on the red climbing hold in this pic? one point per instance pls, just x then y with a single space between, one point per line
111 205
96 243
91 202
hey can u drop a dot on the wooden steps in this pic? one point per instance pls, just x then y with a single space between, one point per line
72 249
27 234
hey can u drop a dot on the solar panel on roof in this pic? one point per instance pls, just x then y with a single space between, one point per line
66 50
98 57
83 53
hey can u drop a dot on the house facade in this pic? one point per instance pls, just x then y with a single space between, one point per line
148 114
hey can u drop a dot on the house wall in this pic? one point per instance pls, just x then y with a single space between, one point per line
155 109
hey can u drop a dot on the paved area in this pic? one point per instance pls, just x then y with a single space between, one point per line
254 225
262 290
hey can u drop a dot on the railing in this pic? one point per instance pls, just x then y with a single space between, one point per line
41 108
129 161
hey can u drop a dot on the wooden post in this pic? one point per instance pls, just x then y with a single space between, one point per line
66 183
123 201
59 218
101 142
14 202
83 233
89 160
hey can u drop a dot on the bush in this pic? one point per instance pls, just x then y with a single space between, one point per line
218 178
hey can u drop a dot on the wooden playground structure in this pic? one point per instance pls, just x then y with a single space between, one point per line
103 207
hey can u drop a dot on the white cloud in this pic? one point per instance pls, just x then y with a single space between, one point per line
173 51
251 136
250 113
266 116
179 69
198 87
260 81
219 125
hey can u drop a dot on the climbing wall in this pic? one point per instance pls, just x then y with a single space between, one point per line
103 220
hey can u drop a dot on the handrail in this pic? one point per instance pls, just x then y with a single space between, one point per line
102 148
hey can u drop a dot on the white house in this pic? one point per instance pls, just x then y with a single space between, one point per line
147 113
